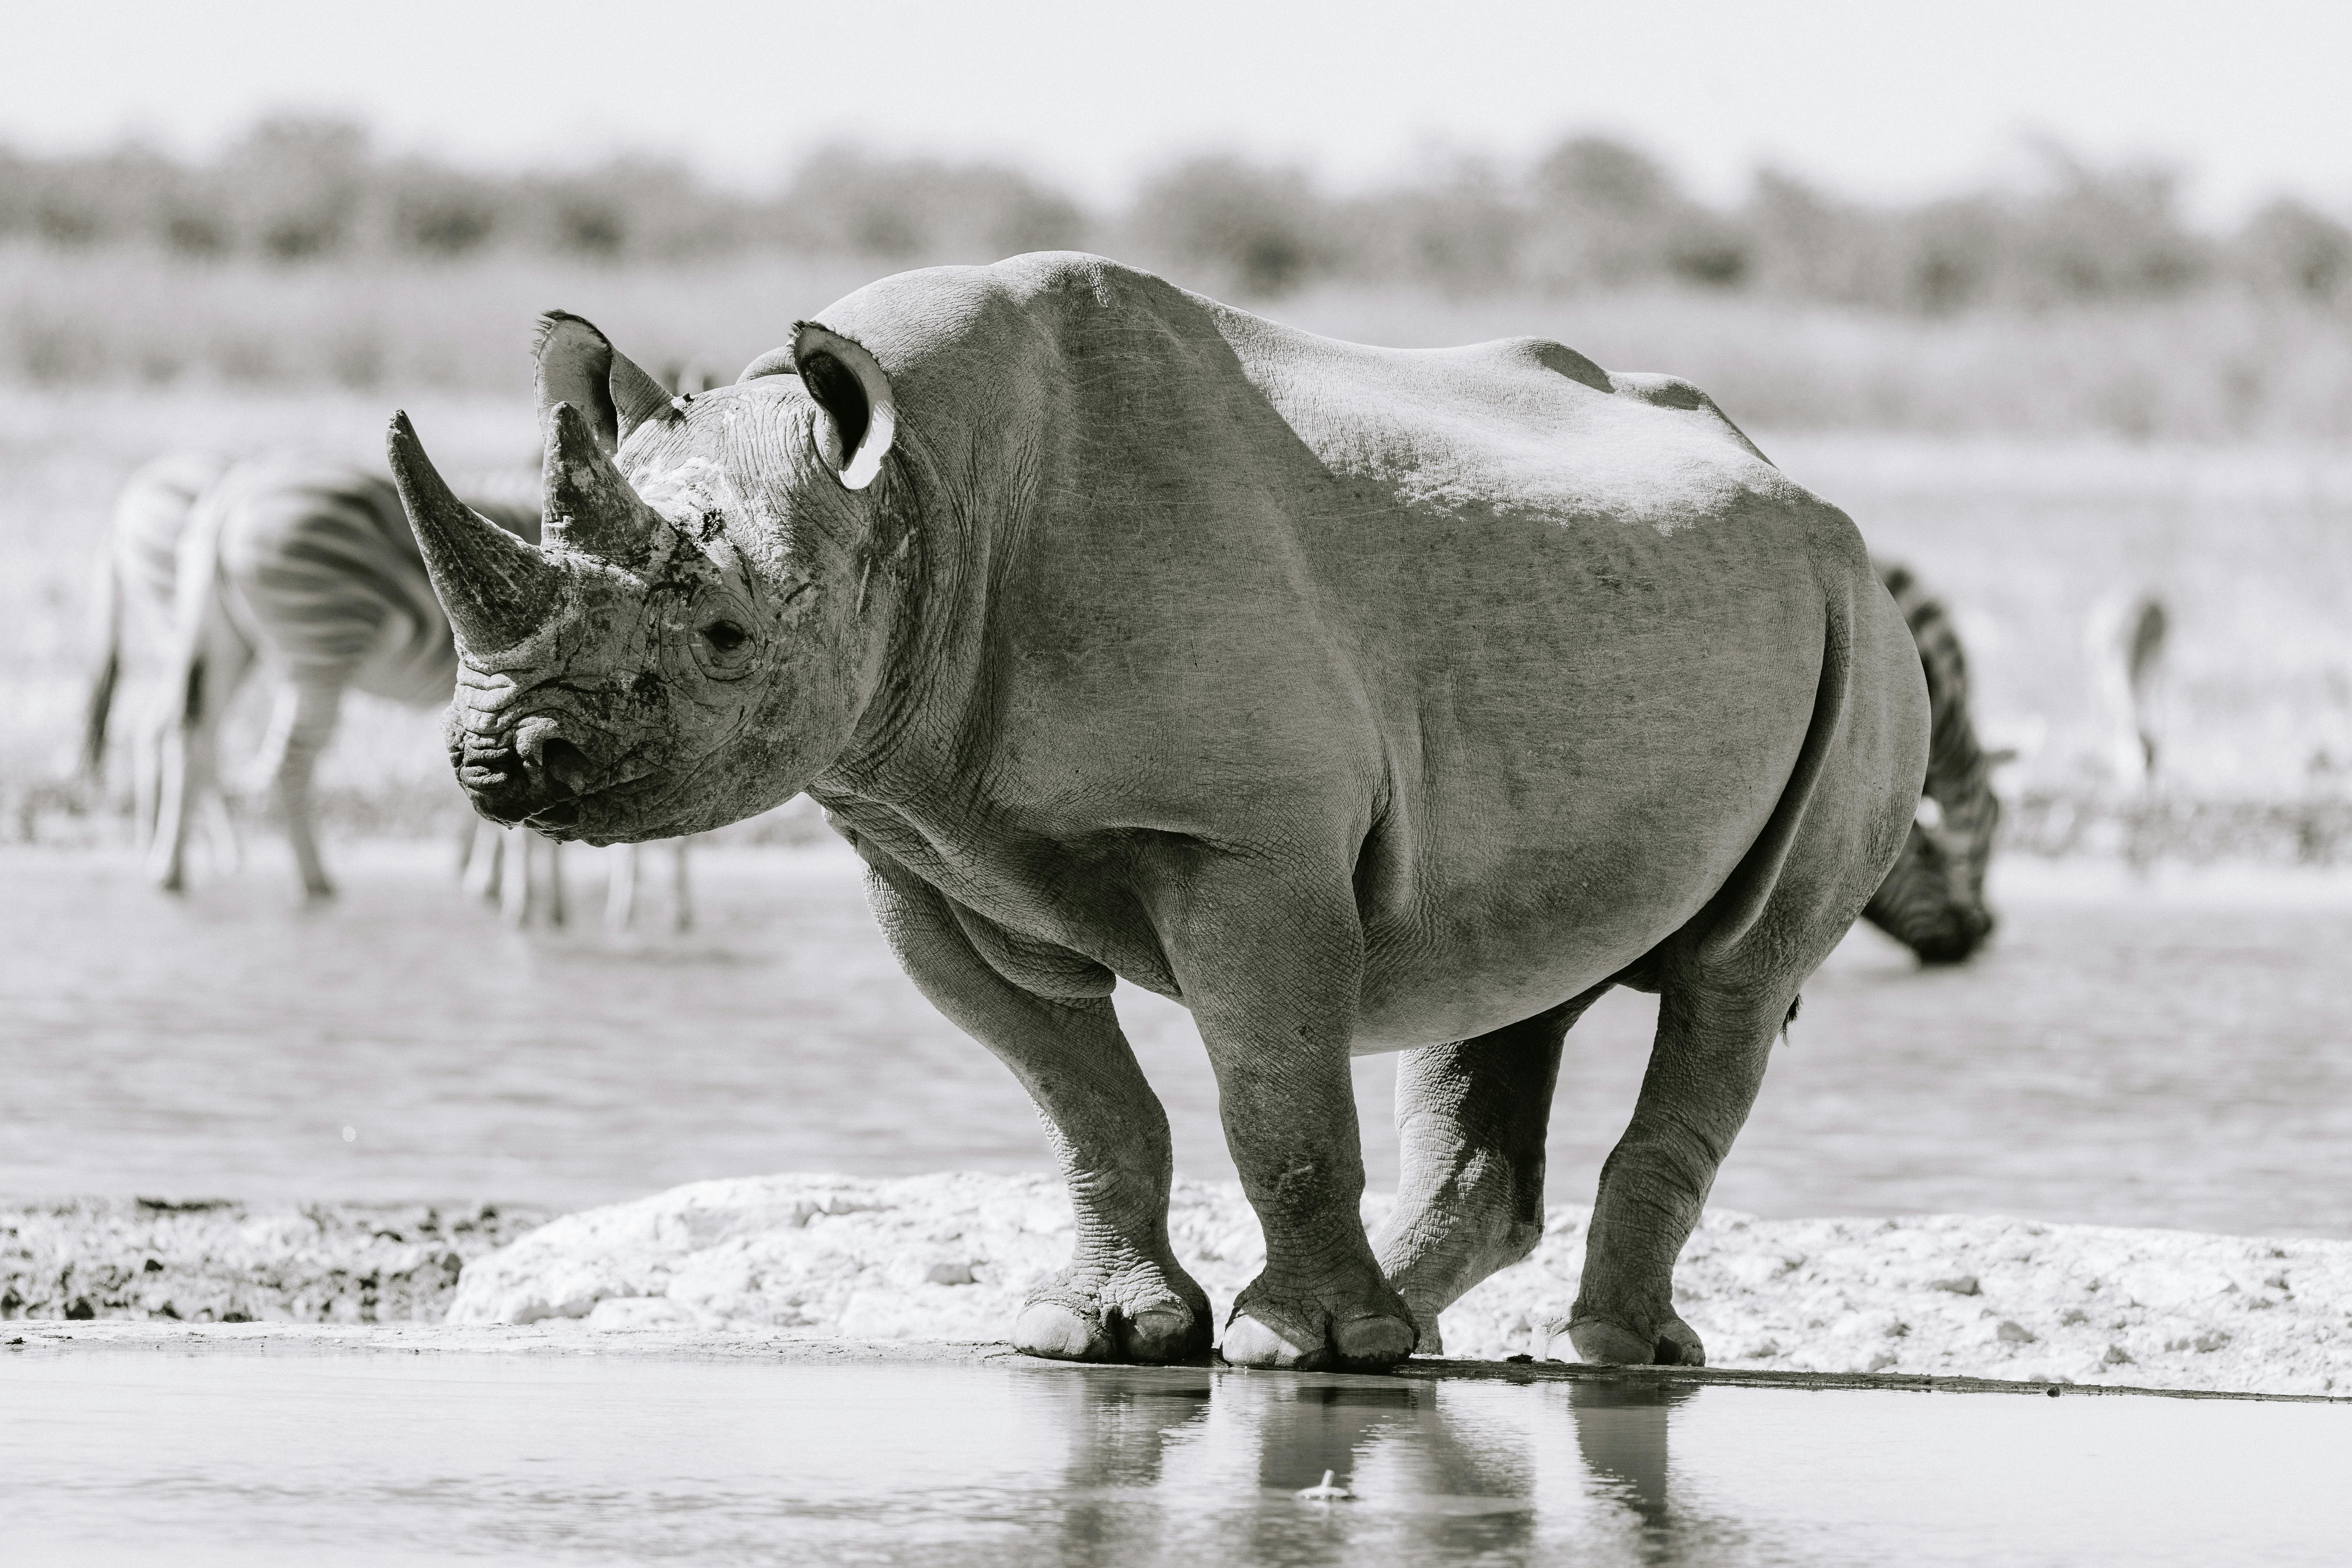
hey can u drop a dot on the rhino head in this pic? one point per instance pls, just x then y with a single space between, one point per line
703 624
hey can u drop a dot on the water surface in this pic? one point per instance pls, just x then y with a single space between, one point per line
253 1460
2170 1051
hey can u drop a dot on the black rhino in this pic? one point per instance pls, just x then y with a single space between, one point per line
1360 700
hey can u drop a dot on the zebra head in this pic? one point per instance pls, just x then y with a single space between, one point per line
689 644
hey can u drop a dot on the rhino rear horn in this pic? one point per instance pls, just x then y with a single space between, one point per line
588 504
579 366
495 588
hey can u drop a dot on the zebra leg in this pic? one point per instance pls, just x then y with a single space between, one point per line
227 845
167 837
620 888
211 662
514 895
147 752
486 844
554 853
1471 1118
316 703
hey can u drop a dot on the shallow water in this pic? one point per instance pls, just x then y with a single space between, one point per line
247 1458
2175 1051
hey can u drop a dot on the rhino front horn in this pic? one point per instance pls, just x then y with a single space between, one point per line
496 589
589 505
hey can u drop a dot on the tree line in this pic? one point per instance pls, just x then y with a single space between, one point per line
1592 213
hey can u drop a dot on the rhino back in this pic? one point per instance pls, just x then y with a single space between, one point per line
1534 652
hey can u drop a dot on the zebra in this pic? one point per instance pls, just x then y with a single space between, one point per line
304 572
2125 640
1932 901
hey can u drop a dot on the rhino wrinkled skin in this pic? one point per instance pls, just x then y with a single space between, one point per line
1359 699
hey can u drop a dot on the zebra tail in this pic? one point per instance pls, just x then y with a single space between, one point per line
110 669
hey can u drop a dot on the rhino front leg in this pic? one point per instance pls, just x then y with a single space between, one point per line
1123 1297
1471 1119
1271 972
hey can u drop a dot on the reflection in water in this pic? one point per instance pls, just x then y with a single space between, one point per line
262 1460
1188 1465
1121 1426
1620 1431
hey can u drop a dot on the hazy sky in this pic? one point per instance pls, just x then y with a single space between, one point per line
1887 98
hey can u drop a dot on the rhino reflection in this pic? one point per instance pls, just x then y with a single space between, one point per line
1622 1433
1129 1423
1125 1422
1621 1430
1151 1447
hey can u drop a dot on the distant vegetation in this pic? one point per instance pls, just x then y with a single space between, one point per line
2079 300
1591 214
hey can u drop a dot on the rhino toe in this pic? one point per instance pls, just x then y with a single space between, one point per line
1061 1328
1303 1337
1675 1343
1059 1332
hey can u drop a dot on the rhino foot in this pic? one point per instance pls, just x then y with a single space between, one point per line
1302 1334
1071 1318
1671 1343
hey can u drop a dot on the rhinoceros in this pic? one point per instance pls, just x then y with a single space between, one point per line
1358 699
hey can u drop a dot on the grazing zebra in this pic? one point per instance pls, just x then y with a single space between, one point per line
306 572
1933 899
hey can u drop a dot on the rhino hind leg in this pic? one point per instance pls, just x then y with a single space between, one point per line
1706 1064
1471 1119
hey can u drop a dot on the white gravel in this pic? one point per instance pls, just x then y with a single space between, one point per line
948 1256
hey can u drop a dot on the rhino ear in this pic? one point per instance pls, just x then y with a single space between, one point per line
579 366
861 419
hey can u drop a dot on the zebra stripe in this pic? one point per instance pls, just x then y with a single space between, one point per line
307 569
1933 899
138 568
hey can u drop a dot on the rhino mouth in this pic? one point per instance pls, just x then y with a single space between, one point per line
562 819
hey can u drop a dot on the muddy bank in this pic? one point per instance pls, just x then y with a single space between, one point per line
226 1262
947 1256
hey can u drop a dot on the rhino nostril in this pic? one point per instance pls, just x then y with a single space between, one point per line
564 763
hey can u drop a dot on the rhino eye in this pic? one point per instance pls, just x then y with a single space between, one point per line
725 649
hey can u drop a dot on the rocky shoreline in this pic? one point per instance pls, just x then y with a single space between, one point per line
947 1257
211 1261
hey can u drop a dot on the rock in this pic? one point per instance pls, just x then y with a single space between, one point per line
814 1256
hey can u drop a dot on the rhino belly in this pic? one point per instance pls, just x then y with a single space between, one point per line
1491 914
1470 979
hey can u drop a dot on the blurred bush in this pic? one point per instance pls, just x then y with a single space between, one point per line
1591 214
303 255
